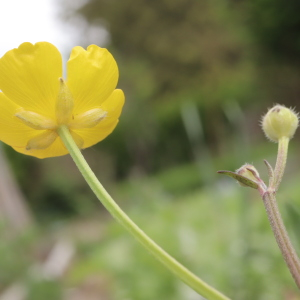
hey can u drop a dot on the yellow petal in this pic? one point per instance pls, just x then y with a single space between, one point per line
78 139
12 130
16 134
29 76
55 149
92 136
92 75
113 106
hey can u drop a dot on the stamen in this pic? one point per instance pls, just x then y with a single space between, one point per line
88 119
42 141
35 120
64 104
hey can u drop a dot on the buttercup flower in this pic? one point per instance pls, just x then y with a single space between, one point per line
36 100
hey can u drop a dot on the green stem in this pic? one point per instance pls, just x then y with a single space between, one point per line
179 270
281 235
282 238
283 145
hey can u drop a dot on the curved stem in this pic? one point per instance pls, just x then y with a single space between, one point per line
179 270
281 235
283 145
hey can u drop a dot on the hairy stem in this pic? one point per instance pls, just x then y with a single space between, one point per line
179 270
283 144
281 235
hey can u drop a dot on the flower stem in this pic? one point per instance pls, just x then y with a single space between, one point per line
281 235
282 238
179 270
283 145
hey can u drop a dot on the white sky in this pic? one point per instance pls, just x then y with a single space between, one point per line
28 21
38 20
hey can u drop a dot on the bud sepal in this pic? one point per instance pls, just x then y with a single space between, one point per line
244 181
247 176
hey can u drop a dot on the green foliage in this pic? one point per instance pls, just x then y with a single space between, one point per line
223 236
276 25
218 55
170 53
181 41
206 52
220 232
230 59
15 255
45 289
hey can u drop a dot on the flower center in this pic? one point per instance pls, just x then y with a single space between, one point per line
64 116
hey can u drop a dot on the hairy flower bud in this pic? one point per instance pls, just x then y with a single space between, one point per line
249 172
279 122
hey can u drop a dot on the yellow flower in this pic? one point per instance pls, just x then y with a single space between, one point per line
35 100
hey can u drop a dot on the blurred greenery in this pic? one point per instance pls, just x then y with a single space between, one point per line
197 76
221 233
210 53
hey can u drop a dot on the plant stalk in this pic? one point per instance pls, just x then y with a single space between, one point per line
282 238
283 145
174 266
281 235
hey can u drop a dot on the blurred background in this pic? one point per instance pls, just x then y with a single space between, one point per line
197 76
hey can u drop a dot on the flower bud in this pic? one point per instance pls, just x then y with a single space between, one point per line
279 122
249 172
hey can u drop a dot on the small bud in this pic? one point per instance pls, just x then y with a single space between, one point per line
279 122
246 175
249 172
